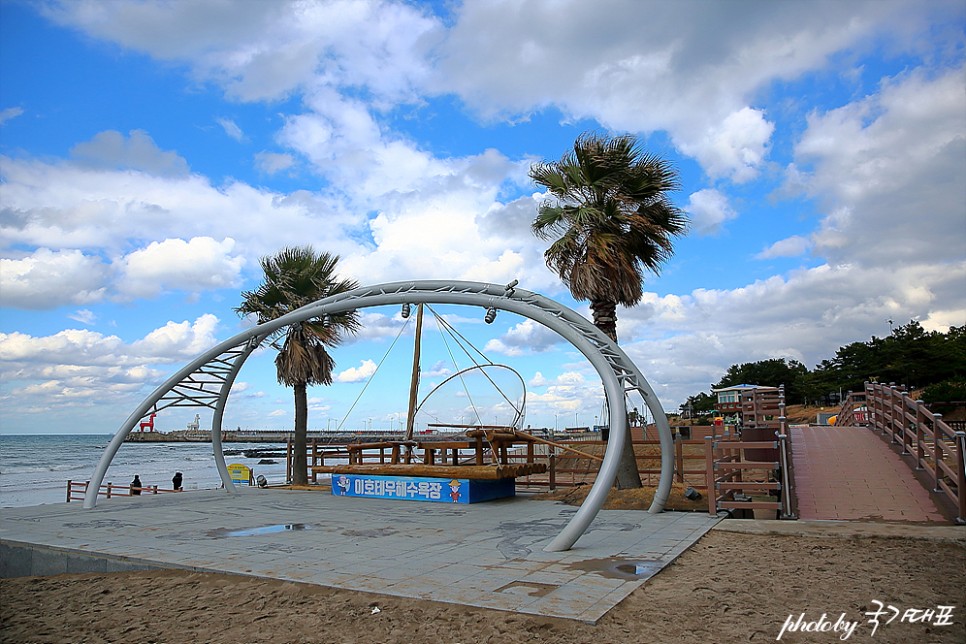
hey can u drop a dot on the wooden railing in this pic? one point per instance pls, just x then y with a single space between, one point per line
928 444
753 471
76 490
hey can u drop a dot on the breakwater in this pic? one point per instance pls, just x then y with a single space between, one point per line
257 436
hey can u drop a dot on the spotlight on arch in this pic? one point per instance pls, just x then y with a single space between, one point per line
405 310
490 315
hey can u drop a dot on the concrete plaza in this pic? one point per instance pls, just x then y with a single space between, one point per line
488 555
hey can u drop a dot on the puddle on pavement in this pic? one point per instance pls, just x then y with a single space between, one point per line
529 588
614 568
254 532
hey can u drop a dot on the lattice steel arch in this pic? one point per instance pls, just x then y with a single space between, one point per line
207 380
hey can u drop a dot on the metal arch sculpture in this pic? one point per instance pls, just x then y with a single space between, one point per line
207 380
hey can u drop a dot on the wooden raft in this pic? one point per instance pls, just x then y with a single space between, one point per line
478 472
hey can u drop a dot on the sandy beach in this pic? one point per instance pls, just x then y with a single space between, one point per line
729 587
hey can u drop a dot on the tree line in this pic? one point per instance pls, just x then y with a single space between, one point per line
931 361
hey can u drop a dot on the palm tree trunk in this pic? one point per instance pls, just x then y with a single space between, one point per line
300 473
627 475
605 319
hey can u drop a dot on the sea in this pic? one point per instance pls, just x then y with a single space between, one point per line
34 469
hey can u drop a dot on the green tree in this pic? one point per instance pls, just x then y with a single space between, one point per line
609 220
769 373
294 277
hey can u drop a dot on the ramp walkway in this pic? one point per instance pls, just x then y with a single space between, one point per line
487 555
851 474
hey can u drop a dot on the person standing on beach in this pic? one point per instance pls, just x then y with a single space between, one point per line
136 486
176 482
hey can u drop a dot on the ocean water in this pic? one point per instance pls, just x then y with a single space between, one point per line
34 470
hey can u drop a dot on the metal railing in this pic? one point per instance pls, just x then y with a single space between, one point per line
77 489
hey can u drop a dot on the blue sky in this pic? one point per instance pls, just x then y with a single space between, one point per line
151 152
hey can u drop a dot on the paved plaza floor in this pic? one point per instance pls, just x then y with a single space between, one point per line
488 554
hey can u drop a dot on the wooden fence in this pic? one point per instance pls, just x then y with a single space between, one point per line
929 445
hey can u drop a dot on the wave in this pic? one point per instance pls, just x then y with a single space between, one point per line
9 470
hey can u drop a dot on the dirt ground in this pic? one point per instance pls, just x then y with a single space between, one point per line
729 587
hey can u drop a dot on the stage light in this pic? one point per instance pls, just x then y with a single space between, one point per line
490 315
405 310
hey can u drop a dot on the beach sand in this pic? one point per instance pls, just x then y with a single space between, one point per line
729 587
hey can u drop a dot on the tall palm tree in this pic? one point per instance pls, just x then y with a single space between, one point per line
610 221
294 277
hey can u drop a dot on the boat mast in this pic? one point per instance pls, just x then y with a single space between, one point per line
414 381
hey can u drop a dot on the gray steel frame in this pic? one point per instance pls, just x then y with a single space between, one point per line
207 380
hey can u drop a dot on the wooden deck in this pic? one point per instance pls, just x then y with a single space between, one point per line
475 472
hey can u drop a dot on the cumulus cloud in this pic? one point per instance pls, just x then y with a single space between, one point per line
889 167
264 51
734 148
624 68
709 210
199 264
48 278
691 340
525 337
179 340
67 206
110 150
357 374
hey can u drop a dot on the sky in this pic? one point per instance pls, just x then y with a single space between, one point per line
152 151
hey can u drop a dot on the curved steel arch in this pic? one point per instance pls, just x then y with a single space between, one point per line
207 380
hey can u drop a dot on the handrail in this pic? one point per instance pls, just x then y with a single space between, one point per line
107 490
936 449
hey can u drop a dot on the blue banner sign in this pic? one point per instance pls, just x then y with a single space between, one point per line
418 488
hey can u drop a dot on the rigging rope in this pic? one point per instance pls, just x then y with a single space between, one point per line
458 336
369 381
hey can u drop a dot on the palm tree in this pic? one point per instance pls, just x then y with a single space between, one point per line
610 221
294 277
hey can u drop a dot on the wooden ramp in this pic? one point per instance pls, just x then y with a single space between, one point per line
851 473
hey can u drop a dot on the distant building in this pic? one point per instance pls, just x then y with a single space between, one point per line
729 398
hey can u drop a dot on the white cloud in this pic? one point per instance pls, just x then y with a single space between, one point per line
624 67
84 316
264 51
273 162
179 340
49 278
198 264
683 344
109 150
231 129
735 147
10 113
794 246
709 210
524 338
889 169
357 374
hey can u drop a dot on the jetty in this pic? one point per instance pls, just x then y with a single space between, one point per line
258 436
